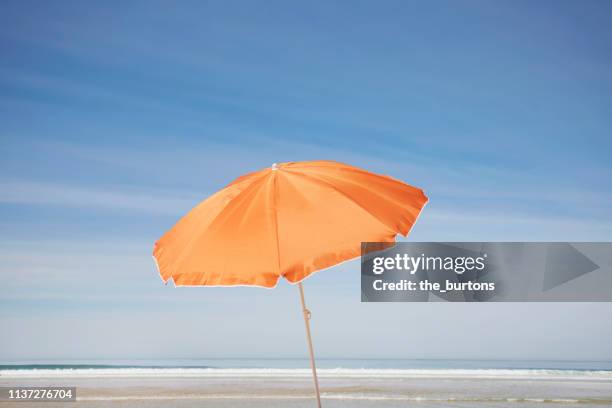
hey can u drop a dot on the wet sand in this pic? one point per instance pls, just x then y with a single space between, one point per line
297 392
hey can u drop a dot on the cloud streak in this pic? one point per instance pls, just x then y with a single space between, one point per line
117 199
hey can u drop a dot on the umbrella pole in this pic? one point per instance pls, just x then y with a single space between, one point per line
306 313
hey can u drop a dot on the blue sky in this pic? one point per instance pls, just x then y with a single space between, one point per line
118 117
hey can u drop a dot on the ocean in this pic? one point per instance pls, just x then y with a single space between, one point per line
344 382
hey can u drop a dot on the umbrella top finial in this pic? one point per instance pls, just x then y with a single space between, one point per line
274 166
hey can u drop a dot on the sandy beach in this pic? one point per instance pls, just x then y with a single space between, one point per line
184 387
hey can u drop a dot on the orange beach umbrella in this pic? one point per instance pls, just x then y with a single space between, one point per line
289 220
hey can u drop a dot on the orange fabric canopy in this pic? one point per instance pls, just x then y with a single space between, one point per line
289 220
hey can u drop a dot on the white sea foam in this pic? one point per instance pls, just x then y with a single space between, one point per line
531 374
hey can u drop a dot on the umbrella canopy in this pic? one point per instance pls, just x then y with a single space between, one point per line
288 220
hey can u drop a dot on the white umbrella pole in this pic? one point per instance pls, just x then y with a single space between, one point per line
310 349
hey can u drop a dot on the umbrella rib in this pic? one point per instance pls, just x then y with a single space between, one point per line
275 218
417 192
329 185
349 168
239 196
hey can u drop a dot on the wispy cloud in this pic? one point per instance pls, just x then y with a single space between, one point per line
95 198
